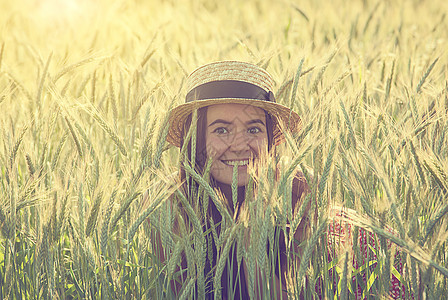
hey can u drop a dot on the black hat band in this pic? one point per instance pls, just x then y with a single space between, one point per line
229 89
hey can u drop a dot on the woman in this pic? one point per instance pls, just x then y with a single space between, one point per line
238 123
230 122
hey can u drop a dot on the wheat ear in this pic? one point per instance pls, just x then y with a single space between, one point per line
423 79
91 221
42 80
74 136
2 49
110 132
105 226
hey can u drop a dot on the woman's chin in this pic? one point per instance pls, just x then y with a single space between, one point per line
242 180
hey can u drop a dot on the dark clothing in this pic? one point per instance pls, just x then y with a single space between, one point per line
237 289
235 286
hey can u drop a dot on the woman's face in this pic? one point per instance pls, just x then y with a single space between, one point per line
235 134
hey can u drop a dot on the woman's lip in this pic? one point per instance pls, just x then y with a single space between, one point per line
233 162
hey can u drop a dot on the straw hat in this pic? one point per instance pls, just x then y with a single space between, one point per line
231 82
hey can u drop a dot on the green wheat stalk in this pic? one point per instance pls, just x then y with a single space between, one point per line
123 208
105 226
134 227
199 241
74 136
74 66
16 146
160 142
326 172
416 160
93 87
62 217
2 49
296 84
348 123
437 174
235 185
414 277
305 259
30 165
221 263
298 217
207 188
110 132
93 216
389 82
319 75
20 86
342 285
113 100
82 86
174 259
146 148
186 294
423 79
293 165
58 151
430 226
369 18
42 81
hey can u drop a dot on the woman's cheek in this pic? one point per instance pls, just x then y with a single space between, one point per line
216 147
212 149
258 144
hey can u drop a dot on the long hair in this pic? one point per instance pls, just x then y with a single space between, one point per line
201 147
211 212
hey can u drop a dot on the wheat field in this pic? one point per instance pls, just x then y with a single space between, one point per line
86 174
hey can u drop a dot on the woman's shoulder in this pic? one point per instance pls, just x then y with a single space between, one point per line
300 189
299 184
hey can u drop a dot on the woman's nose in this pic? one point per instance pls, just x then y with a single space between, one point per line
240 142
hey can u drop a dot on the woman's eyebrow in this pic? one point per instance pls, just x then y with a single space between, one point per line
220 121
255 121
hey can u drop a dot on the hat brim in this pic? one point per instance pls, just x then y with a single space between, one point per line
284 118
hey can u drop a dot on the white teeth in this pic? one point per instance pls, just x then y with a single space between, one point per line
236 162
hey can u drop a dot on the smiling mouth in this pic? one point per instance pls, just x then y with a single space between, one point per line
236 162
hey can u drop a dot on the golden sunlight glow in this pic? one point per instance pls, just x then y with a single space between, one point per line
97 201
60 10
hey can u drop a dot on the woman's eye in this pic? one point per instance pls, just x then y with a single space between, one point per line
220 130
254 130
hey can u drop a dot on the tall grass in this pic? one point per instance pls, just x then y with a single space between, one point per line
87 179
